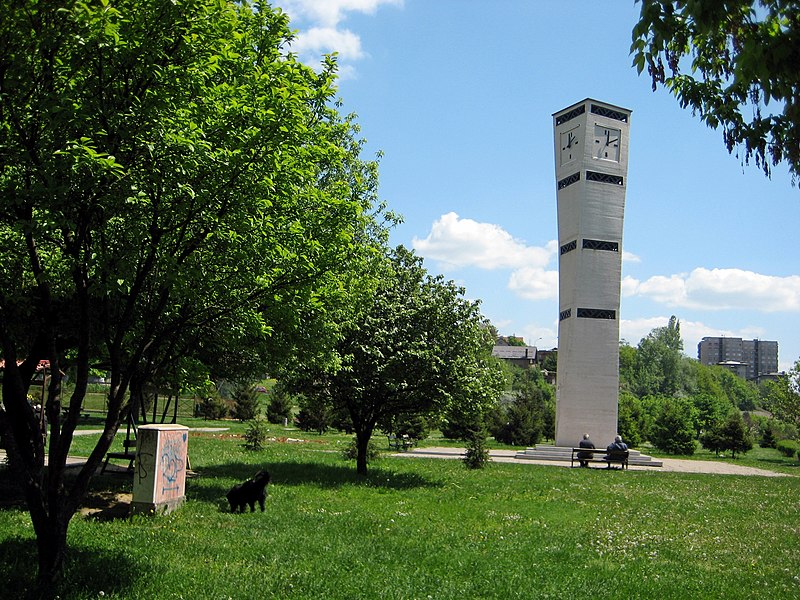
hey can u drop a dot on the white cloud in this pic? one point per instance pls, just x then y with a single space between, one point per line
325 40
630 257
329 13
629 286
319 31
719 289
533 283
543 338
455 242
667 290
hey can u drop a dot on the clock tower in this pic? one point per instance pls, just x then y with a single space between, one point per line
591 155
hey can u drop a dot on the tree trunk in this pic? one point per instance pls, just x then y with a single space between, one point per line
50 501
51 541
362 445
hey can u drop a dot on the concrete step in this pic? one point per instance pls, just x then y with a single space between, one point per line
564 453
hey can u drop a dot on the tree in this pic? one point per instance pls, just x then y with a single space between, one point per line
659 360
314 414
174 184
631 422
415 427
527 415
768 439
416 347
280 404
246 402
742 394
728 434
523 420
673 430
728 61
704 379
627 366
477 454
710 411
782 397
550 362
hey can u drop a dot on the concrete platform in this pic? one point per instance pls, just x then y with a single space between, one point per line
542 455
564 454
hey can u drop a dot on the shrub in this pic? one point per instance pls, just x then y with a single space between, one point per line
477 454
631 419
314 415
246 401
456 425
212 407
280 405
788 448
256 434
730 434
673 429
768 439
524 421
351 451
415 427
711 440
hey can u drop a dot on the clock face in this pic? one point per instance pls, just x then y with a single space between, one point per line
569 146
606 143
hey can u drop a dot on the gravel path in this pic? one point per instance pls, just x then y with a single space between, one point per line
675 465
715 467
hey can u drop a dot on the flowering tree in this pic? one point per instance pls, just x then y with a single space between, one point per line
173 182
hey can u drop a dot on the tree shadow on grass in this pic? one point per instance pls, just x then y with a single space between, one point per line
216 479
87 572
781 462
11 496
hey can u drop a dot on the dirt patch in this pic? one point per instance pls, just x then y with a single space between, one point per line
106 506
103 505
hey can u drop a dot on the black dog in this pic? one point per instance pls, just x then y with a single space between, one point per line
248 492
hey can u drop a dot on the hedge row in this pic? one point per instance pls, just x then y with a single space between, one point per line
789 448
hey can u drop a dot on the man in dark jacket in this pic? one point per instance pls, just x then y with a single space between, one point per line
618 444
585 443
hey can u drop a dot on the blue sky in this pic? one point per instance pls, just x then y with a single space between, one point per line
459 96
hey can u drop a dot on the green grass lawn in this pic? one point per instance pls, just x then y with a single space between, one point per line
426 528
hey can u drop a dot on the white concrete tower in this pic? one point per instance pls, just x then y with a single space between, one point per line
591 152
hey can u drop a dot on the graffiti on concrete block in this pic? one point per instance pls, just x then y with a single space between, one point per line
160 465
172 464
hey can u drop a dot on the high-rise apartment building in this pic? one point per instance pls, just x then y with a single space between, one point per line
749 359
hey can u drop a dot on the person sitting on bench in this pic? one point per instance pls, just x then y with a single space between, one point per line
616 446
582 456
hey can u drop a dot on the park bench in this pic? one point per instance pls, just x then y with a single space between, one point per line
613 457
400 443
129 453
